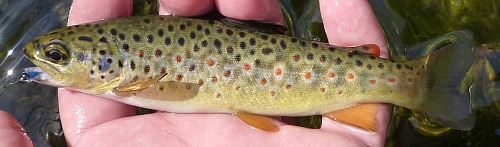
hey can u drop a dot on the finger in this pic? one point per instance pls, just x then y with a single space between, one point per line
258 10
352 23
81 112
83 11
12 132
185 7
202 130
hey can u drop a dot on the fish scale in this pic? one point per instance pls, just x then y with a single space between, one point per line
189 65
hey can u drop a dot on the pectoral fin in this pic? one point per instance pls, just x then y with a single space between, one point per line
135 87
362 116
258 121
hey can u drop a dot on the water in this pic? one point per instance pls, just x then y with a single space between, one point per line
412 28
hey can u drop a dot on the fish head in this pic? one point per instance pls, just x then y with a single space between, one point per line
65 62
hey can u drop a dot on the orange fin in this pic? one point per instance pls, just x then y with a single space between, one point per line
372 49
362 116
258 121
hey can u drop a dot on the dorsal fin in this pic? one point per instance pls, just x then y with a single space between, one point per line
254 26
362 116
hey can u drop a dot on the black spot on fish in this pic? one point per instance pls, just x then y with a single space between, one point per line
296 58
267 51
218 30
242 34
168 41
111 71
109 60
408 67
102 77
243 45
92 72
94 50
196 48
398 66
351 54
113 32
252 41
252 52
322 58
85 38
372 57
158 53
331 49
199 27
293 40
265 37
315 45
338 61
191 67
102 52
303 43
100 31
120 63
182 27
136 37
212 22
380 65
147 69
145 20
103 40
170 28
369 67
227 73
70 32
132 65
229 50
257 62
121 36
273 40
359 63
160 32
204 43
207 31
310 56
192 35
283 44
237 57
217 43
229 32
150 39
163 70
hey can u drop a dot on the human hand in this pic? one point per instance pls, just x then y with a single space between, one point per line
89 120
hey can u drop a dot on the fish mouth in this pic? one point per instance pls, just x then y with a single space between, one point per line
36 74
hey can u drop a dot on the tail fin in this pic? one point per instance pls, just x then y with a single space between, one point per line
448 103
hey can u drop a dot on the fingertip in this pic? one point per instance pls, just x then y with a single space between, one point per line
12 132
258 10
185 7
352 23
85 11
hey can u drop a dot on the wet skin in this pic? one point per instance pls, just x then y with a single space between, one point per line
87 119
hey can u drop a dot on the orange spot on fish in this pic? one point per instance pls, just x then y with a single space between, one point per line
307 75
350 76
178 59
331 74
272 93
214 79
339 91
278 72
210 62
322 89
237 87
288 86
372 81
200 82
391 80
263 81
247 67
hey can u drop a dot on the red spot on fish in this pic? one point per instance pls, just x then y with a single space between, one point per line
350 76
331 75
278 72
391 80
141 53
272 93
339 91
372 81
247 67
210 62
322 89
178 58
288 86
263 81
307 75
237 87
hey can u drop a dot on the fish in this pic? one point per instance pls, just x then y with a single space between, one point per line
187 65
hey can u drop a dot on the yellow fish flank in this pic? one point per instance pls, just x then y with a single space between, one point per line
188 65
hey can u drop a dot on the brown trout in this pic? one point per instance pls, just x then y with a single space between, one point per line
188 65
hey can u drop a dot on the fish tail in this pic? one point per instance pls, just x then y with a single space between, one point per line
447 96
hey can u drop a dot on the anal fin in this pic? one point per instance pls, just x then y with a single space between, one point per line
362 116
258 121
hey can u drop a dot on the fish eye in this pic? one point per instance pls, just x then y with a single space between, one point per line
56 52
